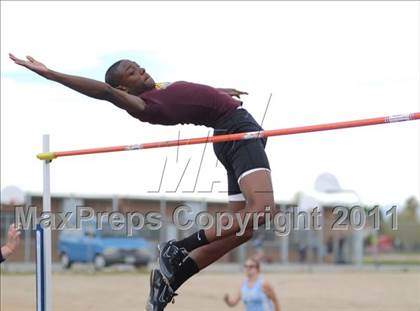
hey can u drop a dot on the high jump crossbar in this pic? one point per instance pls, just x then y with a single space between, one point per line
237 136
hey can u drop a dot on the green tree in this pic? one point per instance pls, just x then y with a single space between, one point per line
409 226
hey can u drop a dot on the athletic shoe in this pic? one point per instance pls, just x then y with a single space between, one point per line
170 258
160 293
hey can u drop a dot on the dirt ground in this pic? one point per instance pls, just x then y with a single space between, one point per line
370 291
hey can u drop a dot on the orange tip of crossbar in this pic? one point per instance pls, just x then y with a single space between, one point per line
46 156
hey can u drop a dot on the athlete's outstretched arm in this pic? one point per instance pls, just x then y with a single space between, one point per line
89 87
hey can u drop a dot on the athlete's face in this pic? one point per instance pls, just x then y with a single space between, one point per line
133 78
251 268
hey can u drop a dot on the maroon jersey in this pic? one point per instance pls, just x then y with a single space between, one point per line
184 102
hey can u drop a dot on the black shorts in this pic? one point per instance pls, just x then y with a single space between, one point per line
242 156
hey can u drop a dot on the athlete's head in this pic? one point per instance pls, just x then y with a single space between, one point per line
252 267
128 76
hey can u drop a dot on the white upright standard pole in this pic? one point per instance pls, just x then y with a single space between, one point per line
46 208
40 292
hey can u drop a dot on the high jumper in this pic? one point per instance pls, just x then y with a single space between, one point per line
130 87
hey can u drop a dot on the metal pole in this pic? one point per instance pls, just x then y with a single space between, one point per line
357 241
40 269
115 203
284 239
320 238
46 208
357 234
284 249
163 230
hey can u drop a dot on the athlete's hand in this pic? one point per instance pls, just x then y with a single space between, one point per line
13 238
31 64
234 92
